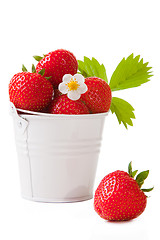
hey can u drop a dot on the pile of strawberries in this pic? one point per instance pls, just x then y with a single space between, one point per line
39 90
54 86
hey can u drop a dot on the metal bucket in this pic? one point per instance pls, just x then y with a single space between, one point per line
57 154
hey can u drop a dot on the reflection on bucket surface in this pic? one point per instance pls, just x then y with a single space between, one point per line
57 154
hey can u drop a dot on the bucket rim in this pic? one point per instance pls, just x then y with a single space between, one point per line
32 114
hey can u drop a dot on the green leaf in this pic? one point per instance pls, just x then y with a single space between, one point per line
131 173
130 72
24 69
33 69
92 68
81 68
147 190
141 177
130 169
123 111
37 58
42 71
48 77
134 173
87 63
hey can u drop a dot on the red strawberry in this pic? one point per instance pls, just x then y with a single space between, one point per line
98 97
57 93
63 105
30 91
57 64
119 197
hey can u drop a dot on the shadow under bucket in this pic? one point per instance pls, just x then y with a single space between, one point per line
58 154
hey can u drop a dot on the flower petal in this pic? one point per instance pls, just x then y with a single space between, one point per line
67 78
73 95
79 78
82 88
63 88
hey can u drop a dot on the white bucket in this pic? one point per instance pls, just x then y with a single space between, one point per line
57 154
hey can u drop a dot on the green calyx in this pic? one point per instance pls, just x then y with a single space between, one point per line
38 58
130 72
24 69
33 70
42 72
139 178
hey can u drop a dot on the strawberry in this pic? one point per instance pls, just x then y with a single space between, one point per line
30 91
98 97
120 197
63 105
57 93
57 64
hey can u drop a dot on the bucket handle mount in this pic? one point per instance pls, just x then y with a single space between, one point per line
21 123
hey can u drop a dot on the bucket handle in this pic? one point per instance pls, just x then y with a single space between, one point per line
21 123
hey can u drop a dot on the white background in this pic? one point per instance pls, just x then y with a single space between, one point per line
108 31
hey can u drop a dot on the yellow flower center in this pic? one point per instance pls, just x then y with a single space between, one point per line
73 85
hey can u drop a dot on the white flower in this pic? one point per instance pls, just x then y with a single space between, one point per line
73 86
